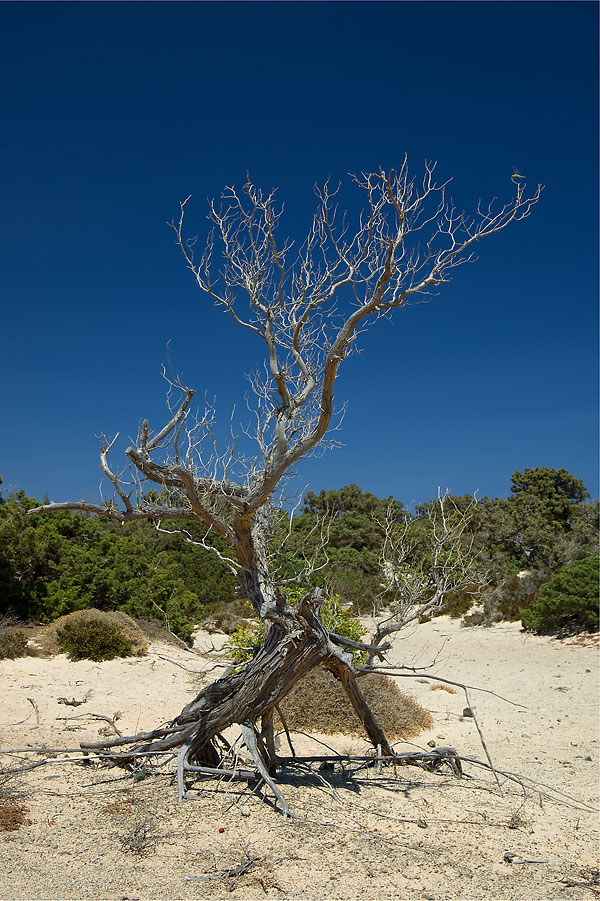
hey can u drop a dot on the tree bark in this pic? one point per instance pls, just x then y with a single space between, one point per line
372 725
293 646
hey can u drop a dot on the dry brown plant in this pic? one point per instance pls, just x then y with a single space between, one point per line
306 303
13 815
320 703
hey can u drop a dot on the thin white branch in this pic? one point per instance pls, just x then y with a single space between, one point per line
232 565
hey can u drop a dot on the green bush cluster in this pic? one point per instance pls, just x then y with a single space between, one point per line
93 641
546 523
53 565
339 619
568 601
350 565
244 641
95 635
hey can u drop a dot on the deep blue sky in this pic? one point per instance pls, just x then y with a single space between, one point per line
114 112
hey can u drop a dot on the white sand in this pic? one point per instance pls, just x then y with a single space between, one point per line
80 815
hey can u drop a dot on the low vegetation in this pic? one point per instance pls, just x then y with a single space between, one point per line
13 641
319 703
568 601
248 635
95 635
13 815
54 565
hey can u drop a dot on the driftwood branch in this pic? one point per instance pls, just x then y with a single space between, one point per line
249 737
96 716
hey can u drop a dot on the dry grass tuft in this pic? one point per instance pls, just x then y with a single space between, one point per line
13 816
125 624
142 839
440 687
119 807
319 703
13 641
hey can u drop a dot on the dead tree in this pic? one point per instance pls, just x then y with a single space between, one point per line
415 591
307 306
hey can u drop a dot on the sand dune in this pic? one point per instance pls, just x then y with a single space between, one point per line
99 832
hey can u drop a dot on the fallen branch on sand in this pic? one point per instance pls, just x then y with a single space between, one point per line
436 760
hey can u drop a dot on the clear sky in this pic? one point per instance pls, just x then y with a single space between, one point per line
114 112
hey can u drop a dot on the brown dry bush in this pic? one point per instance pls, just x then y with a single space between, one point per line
13 643
13 816
114 618
438 687
121 806
319 703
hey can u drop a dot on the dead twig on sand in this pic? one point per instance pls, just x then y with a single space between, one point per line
589 878
481 738
142 839
97 716
226 874
195 672
37 714
249 737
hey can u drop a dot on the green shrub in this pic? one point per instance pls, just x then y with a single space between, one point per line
568 601
338 619
244 641
93 641
95 635
13 643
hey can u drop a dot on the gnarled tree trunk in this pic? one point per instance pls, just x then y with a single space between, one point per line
296 641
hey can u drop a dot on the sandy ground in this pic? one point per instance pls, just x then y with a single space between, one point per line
98 832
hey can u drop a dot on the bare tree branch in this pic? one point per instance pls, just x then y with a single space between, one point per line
418 591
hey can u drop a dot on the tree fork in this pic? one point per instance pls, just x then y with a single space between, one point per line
253 693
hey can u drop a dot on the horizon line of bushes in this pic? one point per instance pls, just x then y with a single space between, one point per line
54 564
